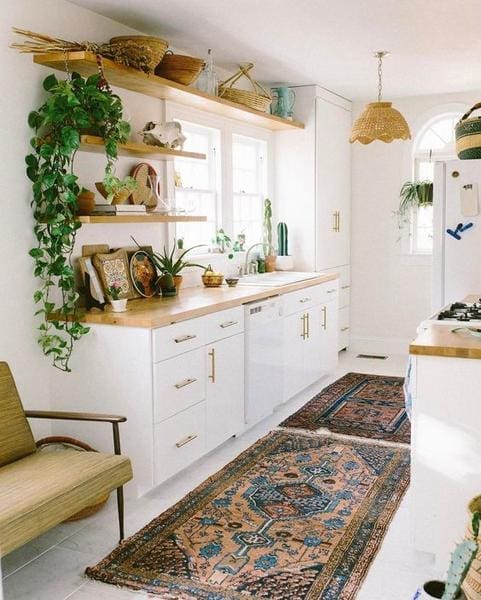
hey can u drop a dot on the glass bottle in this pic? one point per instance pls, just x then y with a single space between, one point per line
207 81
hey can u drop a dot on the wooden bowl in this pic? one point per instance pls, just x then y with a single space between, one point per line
212 280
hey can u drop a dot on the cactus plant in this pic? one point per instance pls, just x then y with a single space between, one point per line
268 223
282 240
461 560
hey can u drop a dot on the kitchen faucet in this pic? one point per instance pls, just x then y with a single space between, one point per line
244 270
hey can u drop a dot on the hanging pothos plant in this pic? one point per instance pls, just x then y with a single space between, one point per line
73 106
413 194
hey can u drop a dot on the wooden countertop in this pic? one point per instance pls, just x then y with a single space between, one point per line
192 302
439 340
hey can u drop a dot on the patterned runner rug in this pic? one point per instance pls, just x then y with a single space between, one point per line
297 516
370 406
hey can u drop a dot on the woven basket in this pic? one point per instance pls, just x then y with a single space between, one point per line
379 121
67 442
212 280
138 51
258 99
468 135
472 583
179 68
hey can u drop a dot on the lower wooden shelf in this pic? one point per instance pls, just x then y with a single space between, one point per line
149 218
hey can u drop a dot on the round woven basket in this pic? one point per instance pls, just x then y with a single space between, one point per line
258 99
142 52
212 280
468 135
179 68
53 443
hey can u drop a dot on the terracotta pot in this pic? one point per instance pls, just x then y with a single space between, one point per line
178 279
119 198
85 203
270 263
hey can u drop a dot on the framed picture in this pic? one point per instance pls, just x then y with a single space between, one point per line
113 268
143 273
87 267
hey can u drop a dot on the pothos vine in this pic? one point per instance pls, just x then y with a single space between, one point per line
73 105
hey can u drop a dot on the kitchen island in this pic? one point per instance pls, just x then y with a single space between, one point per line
175 367
446 434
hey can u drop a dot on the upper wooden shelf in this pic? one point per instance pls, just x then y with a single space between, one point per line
148 218
158 87
93 143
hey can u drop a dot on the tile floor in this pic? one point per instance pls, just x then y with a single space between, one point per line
51 567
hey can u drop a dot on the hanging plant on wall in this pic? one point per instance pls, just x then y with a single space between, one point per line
73 106
413 195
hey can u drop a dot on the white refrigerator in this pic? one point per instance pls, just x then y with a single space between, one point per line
456 258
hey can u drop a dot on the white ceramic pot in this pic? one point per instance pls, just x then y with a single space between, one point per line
119 305
433 590
284 263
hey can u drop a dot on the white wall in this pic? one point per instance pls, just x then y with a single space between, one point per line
22 92
391 291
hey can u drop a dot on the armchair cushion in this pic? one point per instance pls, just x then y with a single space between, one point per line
41 490
16 438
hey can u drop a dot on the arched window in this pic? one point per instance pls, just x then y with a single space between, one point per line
435 141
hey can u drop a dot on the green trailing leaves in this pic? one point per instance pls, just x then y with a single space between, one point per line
72 106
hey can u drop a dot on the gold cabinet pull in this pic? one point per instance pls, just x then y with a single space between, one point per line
308 325
334 227
212 365
189 438
345 287
228 324
331 291
324 320
303 320
338 221
188 381
344 328
304 300
184 338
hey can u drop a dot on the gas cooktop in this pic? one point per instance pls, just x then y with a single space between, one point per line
461 311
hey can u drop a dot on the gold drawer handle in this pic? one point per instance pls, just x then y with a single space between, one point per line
344 328
324 320
345 287
212 365
228 324
187 440
303 300
184 338
331 291
186 382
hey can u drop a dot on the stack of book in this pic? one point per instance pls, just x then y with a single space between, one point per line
119 209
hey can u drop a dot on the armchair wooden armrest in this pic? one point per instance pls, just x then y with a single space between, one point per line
77 416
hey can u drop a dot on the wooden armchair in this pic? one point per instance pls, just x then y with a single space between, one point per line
39 490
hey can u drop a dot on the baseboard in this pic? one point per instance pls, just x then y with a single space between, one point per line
375 345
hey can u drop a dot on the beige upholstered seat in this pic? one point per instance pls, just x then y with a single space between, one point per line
39 490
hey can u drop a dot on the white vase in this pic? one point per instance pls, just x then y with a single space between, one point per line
119 305
433 590
284 263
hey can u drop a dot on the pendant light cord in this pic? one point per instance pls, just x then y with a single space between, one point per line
379 75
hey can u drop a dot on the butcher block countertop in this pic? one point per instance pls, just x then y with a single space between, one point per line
193 302
439 340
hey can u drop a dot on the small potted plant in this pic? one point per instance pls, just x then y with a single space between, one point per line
284 261
223 242
113 292
115 190
270 259
413 194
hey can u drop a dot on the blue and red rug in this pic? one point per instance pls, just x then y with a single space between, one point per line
297 516
360 405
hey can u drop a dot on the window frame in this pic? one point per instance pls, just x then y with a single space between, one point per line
228 128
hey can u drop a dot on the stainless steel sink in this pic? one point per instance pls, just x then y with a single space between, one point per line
276 279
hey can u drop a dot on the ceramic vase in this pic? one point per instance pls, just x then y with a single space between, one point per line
119 305
434 590
284 263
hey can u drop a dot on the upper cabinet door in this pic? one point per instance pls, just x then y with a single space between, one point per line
333 184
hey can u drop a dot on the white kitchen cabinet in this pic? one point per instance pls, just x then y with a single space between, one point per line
294 341
313 186
329 317
224 390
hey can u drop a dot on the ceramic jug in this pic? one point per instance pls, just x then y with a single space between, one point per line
283 105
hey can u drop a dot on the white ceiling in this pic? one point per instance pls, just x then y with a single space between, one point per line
435 44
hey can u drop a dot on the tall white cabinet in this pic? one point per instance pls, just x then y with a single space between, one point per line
313 189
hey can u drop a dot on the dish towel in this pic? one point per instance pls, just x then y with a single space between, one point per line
408 388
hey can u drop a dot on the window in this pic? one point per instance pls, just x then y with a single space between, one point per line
434 142
249 175
197 184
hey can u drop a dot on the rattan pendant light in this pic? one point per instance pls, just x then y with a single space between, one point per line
379 120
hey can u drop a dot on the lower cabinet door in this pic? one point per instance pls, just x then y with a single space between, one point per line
313 346
294 340
224 390
330 336
179 441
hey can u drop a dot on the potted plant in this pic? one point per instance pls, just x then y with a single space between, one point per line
284 261
270 259
115 190
461 559
413 194
72 104
223 242
113 292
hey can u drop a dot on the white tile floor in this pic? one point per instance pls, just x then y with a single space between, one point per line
51 567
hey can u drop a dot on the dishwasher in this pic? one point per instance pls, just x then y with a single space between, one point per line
263 358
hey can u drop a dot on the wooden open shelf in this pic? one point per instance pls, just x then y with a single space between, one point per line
148 218
158 87
93 143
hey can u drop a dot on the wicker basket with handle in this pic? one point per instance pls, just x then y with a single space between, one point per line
468 135
258 99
